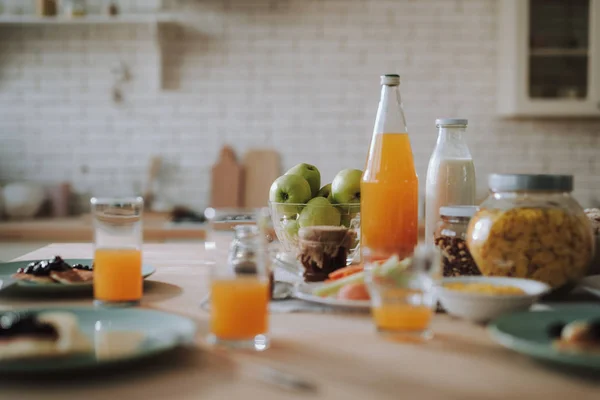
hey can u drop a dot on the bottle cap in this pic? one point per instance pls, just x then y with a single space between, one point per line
451 122
518 182
458 211
390 79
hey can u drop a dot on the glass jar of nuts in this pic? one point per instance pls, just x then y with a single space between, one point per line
531 227
451 238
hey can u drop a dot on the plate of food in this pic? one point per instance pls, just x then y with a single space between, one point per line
568 335
350 295
65 339
591 284
346 287
55 274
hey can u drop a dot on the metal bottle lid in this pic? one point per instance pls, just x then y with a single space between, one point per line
458 211
451 122
390 79
517 182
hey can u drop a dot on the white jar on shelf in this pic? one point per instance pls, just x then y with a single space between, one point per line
74 8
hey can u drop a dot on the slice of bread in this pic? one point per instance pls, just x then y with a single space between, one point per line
32 278
72 276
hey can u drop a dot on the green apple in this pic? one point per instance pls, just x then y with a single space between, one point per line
292 189
318 213
325 191
291 227
310 173
318 201
345 188
353 209
347 217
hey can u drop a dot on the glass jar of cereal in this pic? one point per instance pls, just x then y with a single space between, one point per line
531 227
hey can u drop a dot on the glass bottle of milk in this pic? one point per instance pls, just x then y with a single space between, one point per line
450 174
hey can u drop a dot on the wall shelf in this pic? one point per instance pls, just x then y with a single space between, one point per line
85 20
156 21
558 52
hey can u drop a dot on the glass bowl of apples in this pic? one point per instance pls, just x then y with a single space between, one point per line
322 236
319 229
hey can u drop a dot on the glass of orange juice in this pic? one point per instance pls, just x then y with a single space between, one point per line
118 251
402 291
240 289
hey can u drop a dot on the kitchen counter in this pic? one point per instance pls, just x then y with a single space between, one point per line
157 228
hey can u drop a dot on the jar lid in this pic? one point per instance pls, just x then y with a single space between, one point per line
514 182
451 122
458 211
390 79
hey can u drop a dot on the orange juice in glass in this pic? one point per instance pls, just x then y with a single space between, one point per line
390 187
240 290
239 308
403 291
118 275
118 258
402 317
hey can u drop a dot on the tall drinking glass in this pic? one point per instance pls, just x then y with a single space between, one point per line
240 290
118 251
403 291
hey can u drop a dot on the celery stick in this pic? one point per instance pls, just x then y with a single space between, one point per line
394 265
333 287
389 268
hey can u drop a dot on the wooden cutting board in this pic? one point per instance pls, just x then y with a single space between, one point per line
153 170
226 185
261 168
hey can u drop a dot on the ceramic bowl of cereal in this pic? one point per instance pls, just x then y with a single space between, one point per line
482 298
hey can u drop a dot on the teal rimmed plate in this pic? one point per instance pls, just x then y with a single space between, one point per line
115 336
9 268
526 333
591 284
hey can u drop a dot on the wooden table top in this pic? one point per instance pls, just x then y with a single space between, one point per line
341 353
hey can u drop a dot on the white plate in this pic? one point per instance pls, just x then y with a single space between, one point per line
288 263
591 284
304 291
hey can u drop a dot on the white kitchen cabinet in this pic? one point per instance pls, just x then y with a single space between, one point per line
549 58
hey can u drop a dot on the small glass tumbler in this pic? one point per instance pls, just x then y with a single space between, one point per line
403 292
240 290
118 240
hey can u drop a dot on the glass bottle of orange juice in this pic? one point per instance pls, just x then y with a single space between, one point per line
389 187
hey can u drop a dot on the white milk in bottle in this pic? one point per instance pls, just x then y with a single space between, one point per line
450 174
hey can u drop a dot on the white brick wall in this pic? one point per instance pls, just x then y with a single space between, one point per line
287 74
